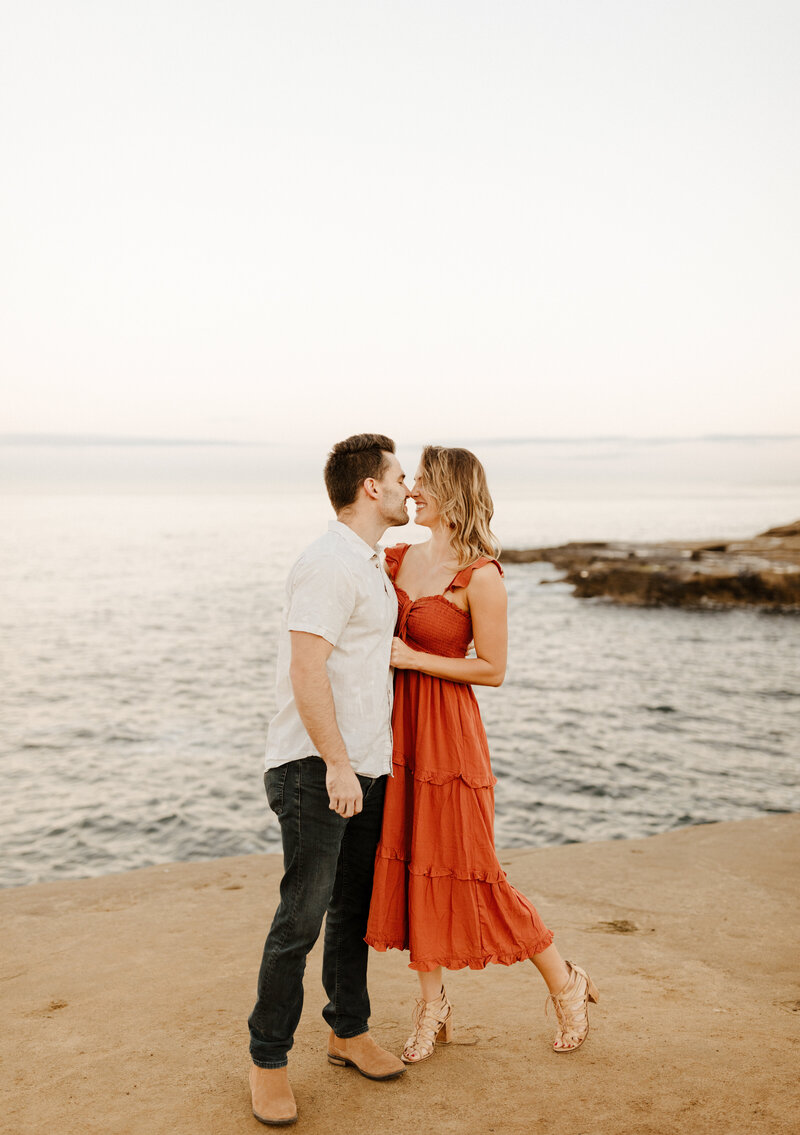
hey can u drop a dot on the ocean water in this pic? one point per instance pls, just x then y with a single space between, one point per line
139 622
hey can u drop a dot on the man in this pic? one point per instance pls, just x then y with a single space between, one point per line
329 749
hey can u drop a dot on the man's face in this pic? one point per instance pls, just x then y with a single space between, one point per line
393 493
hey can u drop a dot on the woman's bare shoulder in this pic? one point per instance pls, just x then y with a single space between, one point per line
486 579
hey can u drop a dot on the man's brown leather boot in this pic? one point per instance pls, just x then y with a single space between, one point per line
364 1054
273 1101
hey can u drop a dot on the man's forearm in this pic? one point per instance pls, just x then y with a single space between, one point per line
314 700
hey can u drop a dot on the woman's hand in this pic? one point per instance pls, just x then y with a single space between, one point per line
403 657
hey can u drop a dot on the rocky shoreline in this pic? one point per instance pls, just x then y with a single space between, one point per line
762 572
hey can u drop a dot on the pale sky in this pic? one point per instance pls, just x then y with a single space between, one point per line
257 220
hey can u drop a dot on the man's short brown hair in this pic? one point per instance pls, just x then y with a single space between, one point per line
351 462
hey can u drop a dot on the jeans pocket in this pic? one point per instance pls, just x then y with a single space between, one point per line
274 782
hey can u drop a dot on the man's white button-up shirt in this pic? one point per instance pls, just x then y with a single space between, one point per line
338 589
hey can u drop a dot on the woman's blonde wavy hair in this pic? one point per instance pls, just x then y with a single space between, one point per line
456 480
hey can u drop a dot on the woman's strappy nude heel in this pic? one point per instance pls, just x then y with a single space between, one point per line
572 1009
433 1024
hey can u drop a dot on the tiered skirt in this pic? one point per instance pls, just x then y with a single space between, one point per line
439 890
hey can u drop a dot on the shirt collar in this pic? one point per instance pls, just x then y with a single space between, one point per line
352 538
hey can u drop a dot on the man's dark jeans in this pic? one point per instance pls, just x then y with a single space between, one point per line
328 867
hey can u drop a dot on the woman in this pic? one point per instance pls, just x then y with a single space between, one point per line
439 889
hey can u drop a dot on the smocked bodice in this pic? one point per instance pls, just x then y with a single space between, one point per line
433 623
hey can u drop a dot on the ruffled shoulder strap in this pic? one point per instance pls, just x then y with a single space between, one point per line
462 578
394 557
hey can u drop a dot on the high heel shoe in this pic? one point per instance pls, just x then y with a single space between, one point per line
433 1024
571 1005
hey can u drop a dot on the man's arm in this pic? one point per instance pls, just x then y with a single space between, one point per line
314 700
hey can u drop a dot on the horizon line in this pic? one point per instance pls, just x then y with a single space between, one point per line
62 439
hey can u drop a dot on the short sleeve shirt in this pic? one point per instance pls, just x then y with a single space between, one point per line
339 590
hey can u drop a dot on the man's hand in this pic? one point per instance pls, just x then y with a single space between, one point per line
344 790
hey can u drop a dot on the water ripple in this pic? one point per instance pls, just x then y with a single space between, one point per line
143 673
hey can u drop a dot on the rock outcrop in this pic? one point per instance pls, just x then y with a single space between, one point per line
763 572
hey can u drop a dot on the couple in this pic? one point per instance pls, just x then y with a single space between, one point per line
403 861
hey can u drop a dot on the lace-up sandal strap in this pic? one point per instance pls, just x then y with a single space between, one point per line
571 1006
430 1019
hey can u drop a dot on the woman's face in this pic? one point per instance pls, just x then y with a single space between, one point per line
427 511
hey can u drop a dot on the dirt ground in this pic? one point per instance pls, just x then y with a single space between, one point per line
125 1001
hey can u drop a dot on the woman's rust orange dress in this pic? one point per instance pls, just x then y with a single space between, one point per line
439 889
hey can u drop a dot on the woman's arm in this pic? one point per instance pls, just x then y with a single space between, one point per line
488 605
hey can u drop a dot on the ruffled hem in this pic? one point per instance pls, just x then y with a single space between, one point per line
452 922
434 776
424 965
465 874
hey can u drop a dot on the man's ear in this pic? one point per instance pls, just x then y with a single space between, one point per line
371 488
